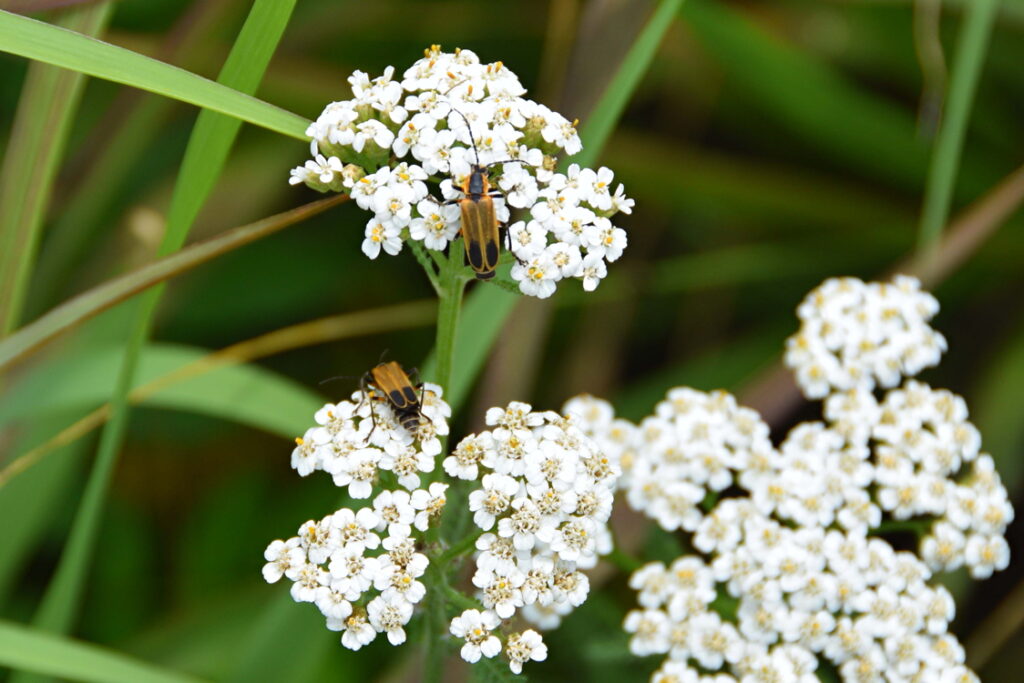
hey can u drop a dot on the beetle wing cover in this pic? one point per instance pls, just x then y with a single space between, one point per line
480 235
392 380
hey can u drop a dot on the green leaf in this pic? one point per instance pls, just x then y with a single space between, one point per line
208 147
101 184
38 40
98 299
48 104
247 394
30 650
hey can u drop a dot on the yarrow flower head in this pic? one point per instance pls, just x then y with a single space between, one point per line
859 335
356 439
785 530
403 147
543 505
361 568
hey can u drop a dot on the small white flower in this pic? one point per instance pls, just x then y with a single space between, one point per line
356 528
284 558
389 616
522 647
500 592
537 276
493 499
380 235
357 631
476 628
395 511
591 270
352 573
985 554
428 504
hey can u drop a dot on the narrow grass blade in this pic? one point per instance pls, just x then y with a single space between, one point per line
599 126
126 134
810 100
41 41
87 380
48 104
100 298
31 650
208 147
942 172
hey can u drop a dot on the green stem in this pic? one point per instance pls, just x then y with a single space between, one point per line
427 262
453 283
433 668
450 284
460 600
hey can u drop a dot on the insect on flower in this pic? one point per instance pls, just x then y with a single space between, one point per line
389 382
481 232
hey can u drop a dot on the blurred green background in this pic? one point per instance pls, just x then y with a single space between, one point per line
769 146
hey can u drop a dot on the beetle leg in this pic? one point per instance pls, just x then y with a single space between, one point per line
508 245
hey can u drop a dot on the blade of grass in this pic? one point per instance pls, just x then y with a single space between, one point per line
87 381
979 17
812 101
178 378
98 299
32 500
31 650
115 149
487 308
48 104
208 147
41 41
601 122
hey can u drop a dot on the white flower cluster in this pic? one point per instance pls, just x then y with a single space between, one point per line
357 439
330 564
694 445
791 538
477 629
928 465
544 502
447 113
856 335
801 595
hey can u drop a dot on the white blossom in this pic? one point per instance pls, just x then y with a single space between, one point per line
476 629
405 147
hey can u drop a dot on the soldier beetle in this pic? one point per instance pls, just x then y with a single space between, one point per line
481 232
389 382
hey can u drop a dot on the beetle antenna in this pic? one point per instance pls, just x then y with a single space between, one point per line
472 140
511 161
337 377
